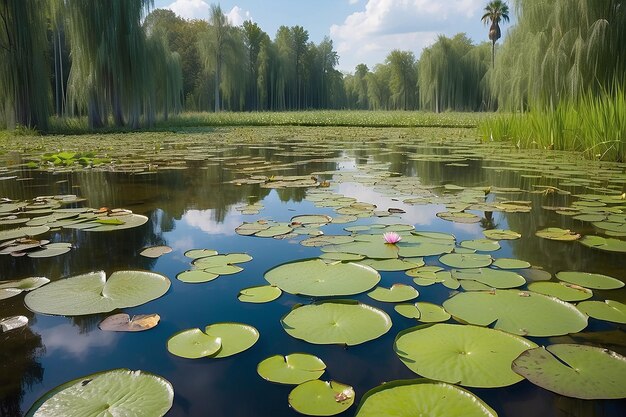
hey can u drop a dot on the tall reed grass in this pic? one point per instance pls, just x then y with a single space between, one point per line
593 124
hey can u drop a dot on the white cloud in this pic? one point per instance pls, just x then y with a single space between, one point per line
190 9
205 221
369 35
237 16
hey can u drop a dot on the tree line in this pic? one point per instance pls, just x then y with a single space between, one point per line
120 63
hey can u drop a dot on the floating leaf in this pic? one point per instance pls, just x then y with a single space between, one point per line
196 276
458 217
261 294
13 322
421 397
509 263
517 312
326 240
119 392
609 310
424 312
462 260
22 232
494 278
606 244
321 398
317 278
12 288
561 290
291 369
200 253
483 245
496 234
92 293
306 219
120 222
555 233
577 371
193 344
338 321
393 264
235 337
50 250
589 280
122 322
397 293
155 251
341 256
466 355
222 264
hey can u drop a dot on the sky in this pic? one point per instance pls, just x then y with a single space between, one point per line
362 31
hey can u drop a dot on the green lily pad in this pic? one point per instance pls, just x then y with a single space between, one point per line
22 232
469 285
92 293
120 222
261 294
235 337
424 312
601 243
435 235
155 251
517 312
196 276
50 250
421 397
510 263
555 233
458 217
292 369
321 398
317 278
589 280
200 253
462 260
561 290
325 240
397 293
577 371
307 219
466 355
338 321
376 249
494 278
115 392
341 256
12 288
431 248
393 264
535 274
222 264
496 234
193 344
482 245
609 310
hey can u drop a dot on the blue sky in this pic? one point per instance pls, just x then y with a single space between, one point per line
363 31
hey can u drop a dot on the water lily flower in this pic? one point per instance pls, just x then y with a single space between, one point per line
392 237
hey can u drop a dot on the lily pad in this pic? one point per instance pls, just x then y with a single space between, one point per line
482 245
116 392
458 217
12 288
261 294
497 234
321 398
341 256
196 276
317 278
325 240
307 219
606 244
119 222
555 233
424 312
222 264
92 293
155 251
200 253
577 371
517 312
510 263
466 355
397 293
421 397
462 260
494 278
393 264
336 322
589 280
193 344
235 337
291 369
609 310
22 232
50 250
13 322
561 290
124 323
376 249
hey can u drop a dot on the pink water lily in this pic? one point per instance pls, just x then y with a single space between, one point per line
392 237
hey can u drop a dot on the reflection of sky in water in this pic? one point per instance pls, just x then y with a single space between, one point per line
186 216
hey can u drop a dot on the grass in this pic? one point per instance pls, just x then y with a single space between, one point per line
343 118
593 125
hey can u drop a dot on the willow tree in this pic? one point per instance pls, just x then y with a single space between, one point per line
561 50
403 79
495 12
378 92
24 87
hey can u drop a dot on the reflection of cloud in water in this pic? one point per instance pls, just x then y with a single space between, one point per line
205 221
417 215
69 340
183 244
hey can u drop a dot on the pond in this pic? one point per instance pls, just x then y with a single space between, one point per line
197 188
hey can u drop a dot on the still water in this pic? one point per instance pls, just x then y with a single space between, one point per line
192 203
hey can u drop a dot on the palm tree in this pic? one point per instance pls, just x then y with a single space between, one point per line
495 11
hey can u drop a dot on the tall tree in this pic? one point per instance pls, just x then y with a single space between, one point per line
403 80
495 11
